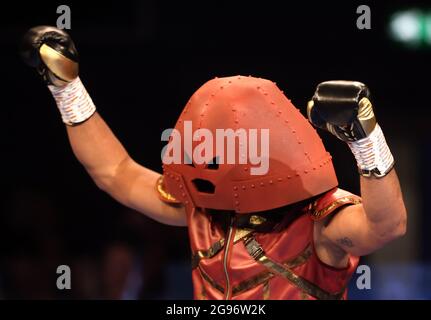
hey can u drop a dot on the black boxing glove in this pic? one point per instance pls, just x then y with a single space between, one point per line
344 109
52 52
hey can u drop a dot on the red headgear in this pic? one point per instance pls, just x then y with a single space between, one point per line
299 165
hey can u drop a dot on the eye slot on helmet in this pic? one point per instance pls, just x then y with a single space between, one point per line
204 186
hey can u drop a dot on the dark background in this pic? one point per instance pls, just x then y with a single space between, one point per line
141 61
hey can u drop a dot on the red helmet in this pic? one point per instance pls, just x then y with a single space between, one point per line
299 167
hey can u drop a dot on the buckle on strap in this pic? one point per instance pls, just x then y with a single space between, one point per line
254 248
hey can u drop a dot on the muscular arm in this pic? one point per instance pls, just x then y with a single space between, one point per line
52 52
115 172
363 228
344 109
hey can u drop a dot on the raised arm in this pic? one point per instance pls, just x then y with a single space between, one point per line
363 228
344 109
53 54
115 172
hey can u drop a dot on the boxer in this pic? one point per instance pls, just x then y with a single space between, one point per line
289 233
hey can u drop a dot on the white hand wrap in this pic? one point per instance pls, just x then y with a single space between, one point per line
372 154
73 101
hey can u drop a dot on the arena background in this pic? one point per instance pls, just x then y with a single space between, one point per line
141 61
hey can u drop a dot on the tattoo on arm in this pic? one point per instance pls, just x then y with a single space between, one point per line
345 242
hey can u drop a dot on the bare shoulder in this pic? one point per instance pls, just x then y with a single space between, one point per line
327 251
326 209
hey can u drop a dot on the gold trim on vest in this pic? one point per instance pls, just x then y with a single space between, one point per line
266 292
207 254
318 214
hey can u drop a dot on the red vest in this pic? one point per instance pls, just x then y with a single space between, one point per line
240 262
